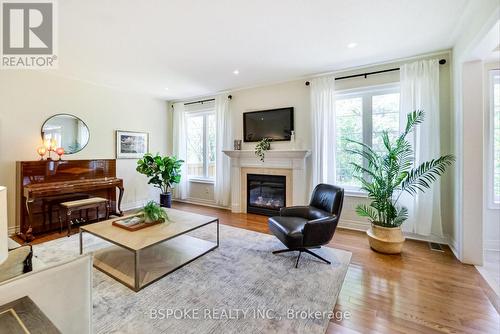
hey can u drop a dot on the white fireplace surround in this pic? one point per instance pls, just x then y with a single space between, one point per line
290 163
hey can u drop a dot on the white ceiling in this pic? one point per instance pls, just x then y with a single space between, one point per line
487 48
192 47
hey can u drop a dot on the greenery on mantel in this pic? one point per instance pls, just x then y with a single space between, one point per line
261 148
386 176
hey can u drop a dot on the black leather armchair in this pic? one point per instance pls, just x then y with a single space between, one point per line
301 228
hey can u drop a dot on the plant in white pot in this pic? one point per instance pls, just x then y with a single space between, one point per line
152 213
163 173
385 177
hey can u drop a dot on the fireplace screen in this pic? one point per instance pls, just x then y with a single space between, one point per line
266 194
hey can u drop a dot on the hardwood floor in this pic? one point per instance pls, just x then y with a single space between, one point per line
419 291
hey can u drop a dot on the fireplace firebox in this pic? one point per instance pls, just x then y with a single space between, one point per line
266 194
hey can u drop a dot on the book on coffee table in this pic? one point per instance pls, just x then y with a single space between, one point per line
129 222
133 223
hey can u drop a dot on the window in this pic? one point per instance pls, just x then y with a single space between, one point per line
494 188
349 120
362 115
201 145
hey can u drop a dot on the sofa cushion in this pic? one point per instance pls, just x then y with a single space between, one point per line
15 263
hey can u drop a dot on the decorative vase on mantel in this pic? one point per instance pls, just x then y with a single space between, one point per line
237 144
292 139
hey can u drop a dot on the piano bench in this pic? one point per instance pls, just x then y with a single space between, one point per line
82 204
51 202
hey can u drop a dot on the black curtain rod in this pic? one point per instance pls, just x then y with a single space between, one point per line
203 101
441 62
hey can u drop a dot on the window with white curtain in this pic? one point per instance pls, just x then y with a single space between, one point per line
200 128
494 169
362 115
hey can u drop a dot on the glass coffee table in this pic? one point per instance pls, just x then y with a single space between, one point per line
139 258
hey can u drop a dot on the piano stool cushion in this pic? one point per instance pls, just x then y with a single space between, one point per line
84 202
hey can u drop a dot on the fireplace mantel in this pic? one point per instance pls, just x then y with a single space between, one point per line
288 162
271 154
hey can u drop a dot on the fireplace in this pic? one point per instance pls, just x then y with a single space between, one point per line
266 194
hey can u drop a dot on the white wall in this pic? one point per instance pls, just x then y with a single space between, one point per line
481 17
296 94
28 98
293 93
472 106
491 216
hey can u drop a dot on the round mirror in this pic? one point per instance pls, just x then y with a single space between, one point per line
66 131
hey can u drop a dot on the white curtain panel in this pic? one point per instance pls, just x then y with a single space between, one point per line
180 148
222 189
323 130
420 91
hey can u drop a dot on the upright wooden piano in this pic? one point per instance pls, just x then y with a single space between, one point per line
44 183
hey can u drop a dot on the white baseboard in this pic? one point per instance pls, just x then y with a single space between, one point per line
491 245
427 238
349 224
453 244
235 208
13 230
133 205
202 202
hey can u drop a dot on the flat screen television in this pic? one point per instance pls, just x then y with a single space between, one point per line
276 124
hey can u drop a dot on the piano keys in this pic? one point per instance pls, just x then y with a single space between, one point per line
42 184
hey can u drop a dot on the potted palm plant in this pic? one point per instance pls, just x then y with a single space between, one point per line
385 177
163 173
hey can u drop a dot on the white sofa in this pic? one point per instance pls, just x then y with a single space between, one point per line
63 292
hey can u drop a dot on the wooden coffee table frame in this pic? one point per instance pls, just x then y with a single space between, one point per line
137 286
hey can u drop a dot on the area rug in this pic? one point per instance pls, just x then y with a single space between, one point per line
241 287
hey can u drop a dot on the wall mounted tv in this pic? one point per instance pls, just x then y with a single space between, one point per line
276 124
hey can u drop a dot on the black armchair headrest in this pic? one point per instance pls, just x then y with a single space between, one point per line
328 198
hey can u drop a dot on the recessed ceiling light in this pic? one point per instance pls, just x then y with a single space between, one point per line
352 45
236 72
166 88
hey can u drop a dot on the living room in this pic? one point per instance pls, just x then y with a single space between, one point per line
181 166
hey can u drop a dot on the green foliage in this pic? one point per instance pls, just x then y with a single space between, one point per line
153 212
385 176
163 172
261 148
349 123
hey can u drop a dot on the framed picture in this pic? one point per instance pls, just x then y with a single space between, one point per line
131 145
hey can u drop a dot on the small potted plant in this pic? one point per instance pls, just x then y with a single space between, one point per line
385 176
152 213
262 146
163 173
